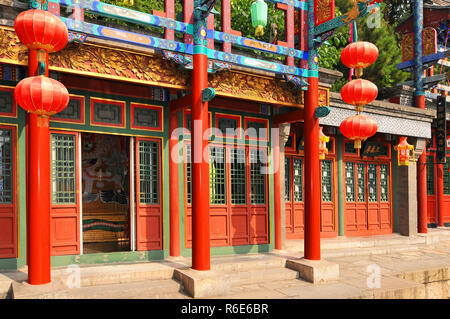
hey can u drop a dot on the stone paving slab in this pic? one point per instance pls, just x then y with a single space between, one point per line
402 273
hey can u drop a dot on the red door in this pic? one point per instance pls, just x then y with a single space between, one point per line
65 201
327 211
8 232
238 195
431 190
294 194
295 208
367 208
148 194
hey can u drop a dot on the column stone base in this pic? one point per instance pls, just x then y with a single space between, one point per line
201 284
315 271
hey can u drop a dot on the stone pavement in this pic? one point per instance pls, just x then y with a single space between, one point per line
388 266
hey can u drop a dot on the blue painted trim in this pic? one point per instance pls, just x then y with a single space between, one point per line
142 18
157 43
302 5
425 59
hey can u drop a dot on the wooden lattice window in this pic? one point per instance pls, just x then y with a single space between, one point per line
149 172
6 169
430 175
287 179
447 177
238 176
349 148
217 177
350 181
361 178
327 182
63 168
372 182
384 183
298 180
258 176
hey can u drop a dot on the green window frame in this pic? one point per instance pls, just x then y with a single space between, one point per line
6 167
372 182
349 181
298 180
361 180
63 168
238 175
258 176
287 179
447 177
384 183
327 181
217 176
149 172
430 175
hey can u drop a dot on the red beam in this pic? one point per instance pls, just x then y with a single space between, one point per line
226 22
188 17
181 103
291 117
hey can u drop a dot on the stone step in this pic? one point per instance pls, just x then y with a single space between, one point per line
118 273
262 276
230 264
361 242
150 289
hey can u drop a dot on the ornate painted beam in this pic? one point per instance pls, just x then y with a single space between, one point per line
158 43
431 58
133 16
360 9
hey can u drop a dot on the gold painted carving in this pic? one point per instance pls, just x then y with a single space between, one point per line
429 41
323 11
408 47
255 88
11 50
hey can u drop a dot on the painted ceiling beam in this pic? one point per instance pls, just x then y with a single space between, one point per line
142 18
170 45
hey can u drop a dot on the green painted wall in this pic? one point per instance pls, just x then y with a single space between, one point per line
340 167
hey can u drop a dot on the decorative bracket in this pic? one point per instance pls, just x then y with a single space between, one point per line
322 111
206 7
77 37
298 83
185 61
208 94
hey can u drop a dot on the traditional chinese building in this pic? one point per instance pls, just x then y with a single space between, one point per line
120 191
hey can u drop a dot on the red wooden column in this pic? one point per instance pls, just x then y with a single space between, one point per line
312 172
39 271
422 214
173 187
290 35
440 193
226 22
38 191
169 7
277 188
200 161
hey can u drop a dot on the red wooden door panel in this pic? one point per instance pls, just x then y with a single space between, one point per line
295 209
367 204
65 207
8 226
149 232
327 212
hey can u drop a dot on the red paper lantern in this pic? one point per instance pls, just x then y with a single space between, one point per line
41 30
359 55
403 152
323 140
41 95
358 128
359 93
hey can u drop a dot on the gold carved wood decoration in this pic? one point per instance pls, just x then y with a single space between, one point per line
255 88
323 10
117 64
429 44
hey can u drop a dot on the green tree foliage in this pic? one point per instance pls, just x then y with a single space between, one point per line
384 71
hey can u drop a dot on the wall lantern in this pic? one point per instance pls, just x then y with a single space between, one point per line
359 93
259 16
359 55
404 152
323 140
